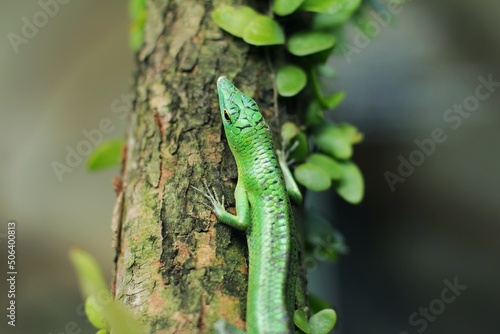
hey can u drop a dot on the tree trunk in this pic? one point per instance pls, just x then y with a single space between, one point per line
176 267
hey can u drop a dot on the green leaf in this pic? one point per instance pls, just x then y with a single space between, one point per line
329 21
323 321
332 101
234 19
108 154
314 113
352 133
351 186
330 6
136 38
263 30
322 21
136 9
312 177
300 320
88 271
317 304
332 140
286 7
102 331
329 165
288 131
290 80
309 42
95 312
121 320
136 34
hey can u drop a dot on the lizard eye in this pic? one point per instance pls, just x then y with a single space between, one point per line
226 116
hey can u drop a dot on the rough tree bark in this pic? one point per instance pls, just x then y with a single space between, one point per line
176 268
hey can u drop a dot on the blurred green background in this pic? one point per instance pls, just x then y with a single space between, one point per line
442 223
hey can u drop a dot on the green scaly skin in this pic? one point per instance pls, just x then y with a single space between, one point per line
263 212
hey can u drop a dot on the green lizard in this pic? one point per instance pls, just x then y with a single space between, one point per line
263 213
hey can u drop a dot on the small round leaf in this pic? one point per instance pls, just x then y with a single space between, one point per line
332 140
323 321
108 154
312 177
332 101
288 131
351 186
286 7
332 167
330 6
290 80
352 133
234 19
310 42
329 21
263 30
300 320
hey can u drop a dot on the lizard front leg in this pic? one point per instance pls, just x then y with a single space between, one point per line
240 221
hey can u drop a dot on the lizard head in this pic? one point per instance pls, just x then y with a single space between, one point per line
240 114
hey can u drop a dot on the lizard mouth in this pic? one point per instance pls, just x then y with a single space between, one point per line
226 91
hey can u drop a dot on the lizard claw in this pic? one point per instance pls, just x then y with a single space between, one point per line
284 154
216 205
284 157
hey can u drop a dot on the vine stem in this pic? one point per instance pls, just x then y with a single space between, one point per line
275 90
